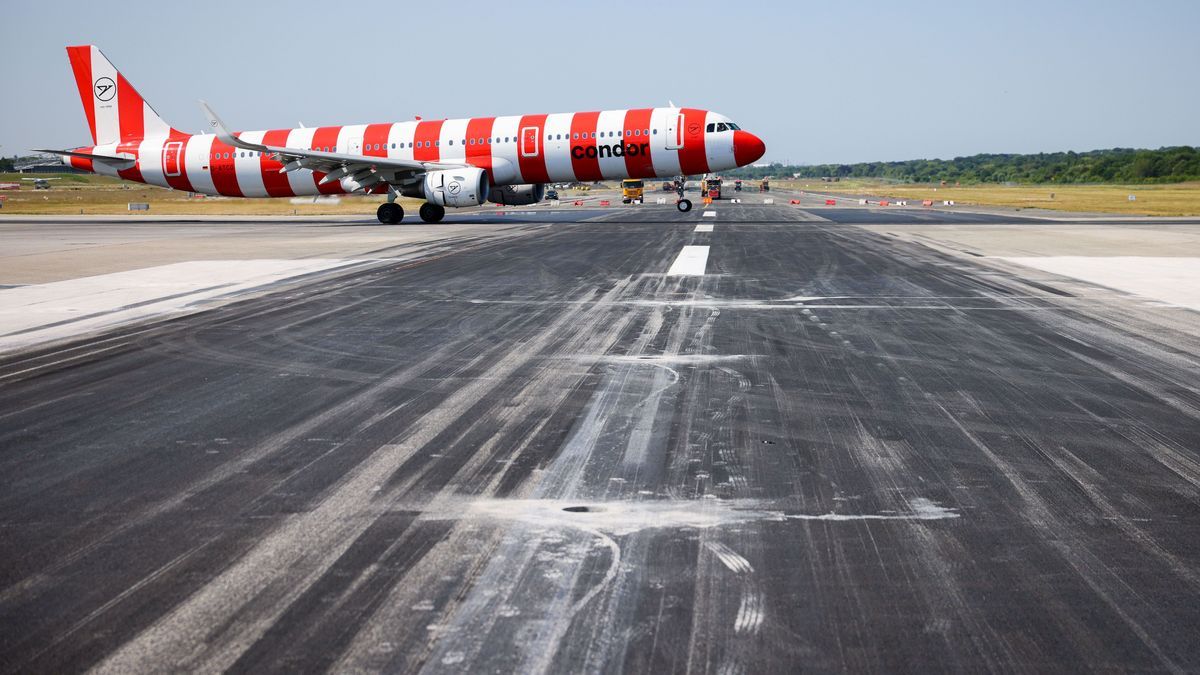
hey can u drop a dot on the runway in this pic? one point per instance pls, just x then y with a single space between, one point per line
567 444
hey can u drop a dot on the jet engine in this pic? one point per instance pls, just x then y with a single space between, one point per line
518 195
452 187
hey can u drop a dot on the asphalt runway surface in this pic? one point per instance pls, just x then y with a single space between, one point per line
834 451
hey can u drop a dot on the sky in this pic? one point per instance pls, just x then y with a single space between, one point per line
820 82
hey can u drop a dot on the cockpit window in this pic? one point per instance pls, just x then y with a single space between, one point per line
721 126
734 127
710 127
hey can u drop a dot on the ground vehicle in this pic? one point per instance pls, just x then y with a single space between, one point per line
551 194
737 186
711 188
764 186
632 190
669 186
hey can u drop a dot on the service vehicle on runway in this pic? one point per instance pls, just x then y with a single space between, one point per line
632 190
448 163
712 187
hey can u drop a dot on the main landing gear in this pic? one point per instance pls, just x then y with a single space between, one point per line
684 205
432 213
390 213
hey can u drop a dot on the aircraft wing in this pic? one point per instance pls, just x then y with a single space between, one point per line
334 164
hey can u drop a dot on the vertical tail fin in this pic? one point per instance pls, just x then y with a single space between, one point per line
115 111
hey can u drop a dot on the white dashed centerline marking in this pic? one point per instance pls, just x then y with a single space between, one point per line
704 227
691 262
709 214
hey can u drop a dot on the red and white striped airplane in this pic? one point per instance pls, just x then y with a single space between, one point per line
455 162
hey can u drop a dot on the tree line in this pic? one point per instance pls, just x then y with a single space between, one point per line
1118 165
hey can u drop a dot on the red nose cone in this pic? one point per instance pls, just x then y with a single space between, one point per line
747 148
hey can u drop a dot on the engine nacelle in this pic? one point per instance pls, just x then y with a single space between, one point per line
518 195
452 187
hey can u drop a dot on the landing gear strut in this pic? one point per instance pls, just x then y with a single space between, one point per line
390 213
432 213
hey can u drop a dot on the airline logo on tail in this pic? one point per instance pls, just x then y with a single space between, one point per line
105 89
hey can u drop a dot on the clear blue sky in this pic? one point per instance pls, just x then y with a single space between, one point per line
820 82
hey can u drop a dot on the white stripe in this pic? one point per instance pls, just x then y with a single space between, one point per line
704 227
666 162
610 121
196 159
301 180
709 214
108 121
691 261
248 169
558 151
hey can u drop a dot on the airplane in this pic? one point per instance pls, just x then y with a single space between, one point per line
40 183
448 163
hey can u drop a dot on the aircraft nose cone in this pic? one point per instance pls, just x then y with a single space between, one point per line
747 147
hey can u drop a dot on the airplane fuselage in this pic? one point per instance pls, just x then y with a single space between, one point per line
514 150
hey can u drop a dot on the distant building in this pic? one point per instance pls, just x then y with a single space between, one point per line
42 164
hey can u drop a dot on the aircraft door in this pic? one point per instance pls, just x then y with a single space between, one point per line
172 166
674 132
530 140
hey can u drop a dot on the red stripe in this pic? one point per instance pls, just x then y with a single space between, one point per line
276 183
583 130
479 150
637 143
131 110
425 141
325 139
81 65
180 182
533 168
220 165
376 134
133 173
692 159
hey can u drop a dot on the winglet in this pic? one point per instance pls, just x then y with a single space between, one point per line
218 127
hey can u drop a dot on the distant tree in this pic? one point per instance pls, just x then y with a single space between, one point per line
1117 165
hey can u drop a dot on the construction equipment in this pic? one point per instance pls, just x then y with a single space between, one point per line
632 190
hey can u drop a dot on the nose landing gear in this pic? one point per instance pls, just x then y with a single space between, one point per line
684 205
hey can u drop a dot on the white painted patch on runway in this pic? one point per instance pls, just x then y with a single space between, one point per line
691 261
44 312
1172 280
709 214
621 518
704 227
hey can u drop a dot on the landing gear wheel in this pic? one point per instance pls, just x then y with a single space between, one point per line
390 213
684 205
432 213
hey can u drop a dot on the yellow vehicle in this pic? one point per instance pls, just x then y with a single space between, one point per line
631 190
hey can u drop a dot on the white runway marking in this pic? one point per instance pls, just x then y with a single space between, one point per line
691 261
1172 280
704 227
42 312
709 214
